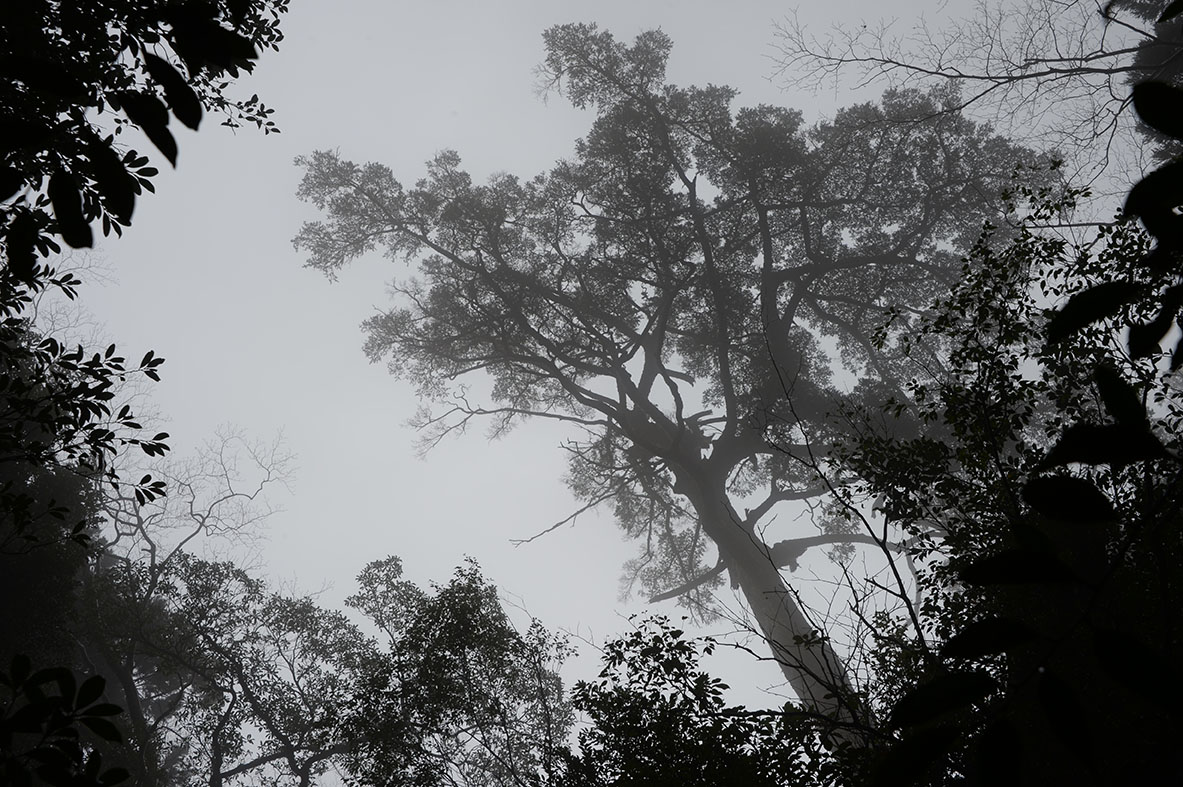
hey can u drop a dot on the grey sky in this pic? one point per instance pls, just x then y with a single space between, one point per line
208 279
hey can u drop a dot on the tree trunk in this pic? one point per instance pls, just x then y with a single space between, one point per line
809 663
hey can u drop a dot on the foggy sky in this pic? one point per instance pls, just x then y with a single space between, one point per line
208 279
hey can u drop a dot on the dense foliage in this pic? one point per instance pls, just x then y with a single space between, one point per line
657 718
74 75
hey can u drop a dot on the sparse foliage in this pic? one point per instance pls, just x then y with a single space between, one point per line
1052 73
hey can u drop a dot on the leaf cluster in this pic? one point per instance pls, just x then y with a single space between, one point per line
75 76
44 715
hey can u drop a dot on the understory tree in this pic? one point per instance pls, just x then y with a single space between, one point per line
1041 502
678 293
73 77
270 688
656 717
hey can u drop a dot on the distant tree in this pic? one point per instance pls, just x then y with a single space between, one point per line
226 681
1057 73
216 498
457 695
664 289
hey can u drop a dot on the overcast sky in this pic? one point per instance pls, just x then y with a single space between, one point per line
207 278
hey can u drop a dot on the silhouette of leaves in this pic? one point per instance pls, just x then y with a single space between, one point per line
949 692
1016 566
1096 444
1120 398
985 637
1157 104
1067 498
184 102
1091 305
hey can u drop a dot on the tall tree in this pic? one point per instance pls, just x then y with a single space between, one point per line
664 289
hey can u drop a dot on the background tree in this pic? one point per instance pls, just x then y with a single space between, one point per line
1052 73
663 289
282 690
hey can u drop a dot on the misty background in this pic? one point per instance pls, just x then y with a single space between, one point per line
207 278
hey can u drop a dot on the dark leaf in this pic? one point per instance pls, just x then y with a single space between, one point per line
114 182
11 181
984 637
1172 11
19 671
30 718
1121 399
114 776
20 242
998 754
906 763
1016 566
941 695
1154 199
67 208
103 728
1067 498
1144 338
65 679
1066 714
1159 106
1128 660
184 102
146 111
1089 306
104 709
90 690
1097 444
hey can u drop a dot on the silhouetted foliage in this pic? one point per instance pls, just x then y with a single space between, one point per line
656 718
226 681
74 75
1048 511
42 723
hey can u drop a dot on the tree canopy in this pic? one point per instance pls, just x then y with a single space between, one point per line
665 288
